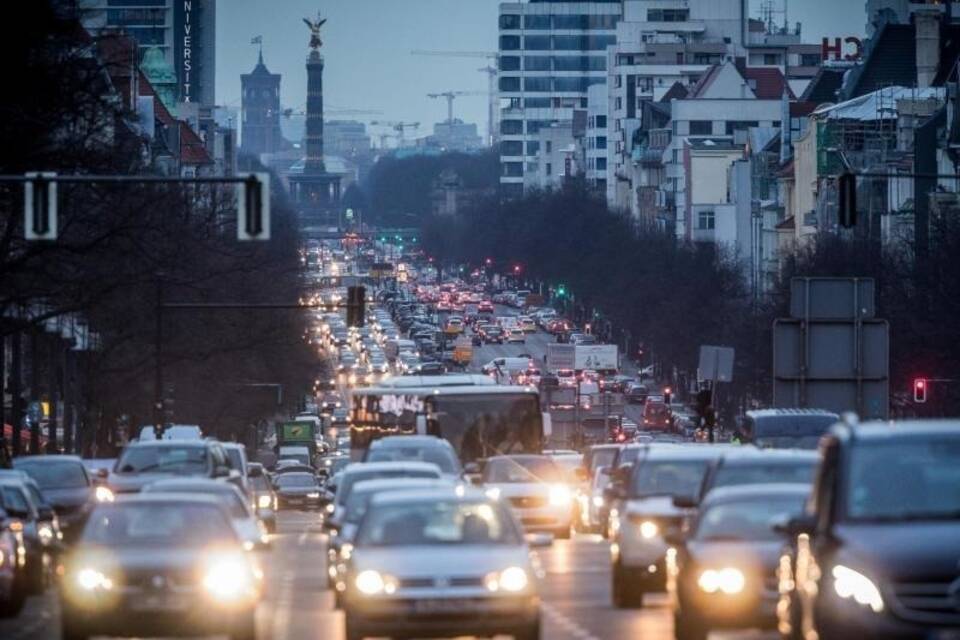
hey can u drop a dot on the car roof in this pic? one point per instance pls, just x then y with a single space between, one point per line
161 497
752 455
410 441
383 484
403 465
747 492
453 493
237 445
170 443
46 459
687 452
769 413
893 430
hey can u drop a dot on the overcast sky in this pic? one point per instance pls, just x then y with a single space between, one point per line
367 46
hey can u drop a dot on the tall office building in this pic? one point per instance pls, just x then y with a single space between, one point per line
184 30
551 52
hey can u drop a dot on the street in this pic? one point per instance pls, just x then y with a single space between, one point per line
298 605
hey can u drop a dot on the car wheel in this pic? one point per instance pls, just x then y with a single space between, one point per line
246 628
625 594
687 628
532 632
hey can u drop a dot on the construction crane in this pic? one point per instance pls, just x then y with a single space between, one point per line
451 96
492 71
289 113
399 127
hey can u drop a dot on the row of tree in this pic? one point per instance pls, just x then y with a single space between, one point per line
122 250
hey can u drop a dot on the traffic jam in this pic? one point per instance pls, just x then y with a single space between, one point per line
471 462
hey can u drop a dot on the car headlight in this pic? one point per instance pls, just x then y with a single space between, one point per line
493 493
649 529
560 496
330 508
372 583
512 579
104 494
228 577
598 501
91 579
728 580
264 501
313 495
848 584
46 533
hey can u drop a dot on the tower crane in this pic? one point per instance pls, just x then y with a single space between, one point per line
399 127
451 96
492 71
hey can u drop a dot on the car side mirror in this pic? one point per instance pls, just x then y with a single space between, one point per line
103 474
221 472
685 502
331 524
796 525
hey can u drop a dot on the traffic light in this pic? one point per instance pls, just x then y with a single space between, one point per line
562 290
40 206
920 390
667 395
847 200
253 208
356 306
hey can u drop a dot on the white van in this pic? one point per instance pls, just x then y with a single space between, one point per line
507 366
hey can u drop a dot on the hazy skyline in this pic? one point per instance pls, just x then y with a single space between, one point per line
367 45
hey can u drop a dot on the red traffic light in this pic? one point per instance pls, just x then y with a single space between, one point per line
920 390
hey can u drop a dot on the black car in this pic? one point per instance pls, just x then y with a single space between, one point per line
298 490
875 556
13 579
760 466
66 486
724 572
24 515
160 565
141 463
493 335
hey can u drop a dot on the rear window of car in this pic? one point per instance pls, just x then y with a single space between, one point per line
56 475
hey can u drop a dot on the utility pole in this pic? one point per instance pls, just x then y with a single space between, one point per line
158 418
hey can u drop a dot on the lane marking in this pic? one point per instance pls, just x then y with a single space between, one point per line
568 624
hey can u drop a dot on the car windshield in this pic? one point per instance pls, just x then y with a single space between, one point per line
733 475
346 484
436 523
167 525
507 470
602 457
163 459
904 480
56 475
747 520
230 498
668 478
260 483
295 480
440 456
236 459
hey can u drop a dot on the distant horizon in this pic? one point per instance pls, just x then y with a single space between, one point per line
384 76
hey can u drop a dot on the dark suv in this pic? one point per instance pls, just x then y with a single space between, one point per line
144 462
875 555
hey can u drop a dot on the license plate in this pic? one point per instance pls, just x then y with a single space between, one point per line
159 603
295 501
444 606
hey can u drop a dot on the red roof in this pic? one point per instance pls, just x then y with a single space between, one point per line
192 149
769 81
801 109
160 111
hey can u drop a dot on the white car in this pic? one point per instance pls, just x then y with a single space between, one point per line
252 531
527 325
354 473
646 510
535 487
516 336
440 562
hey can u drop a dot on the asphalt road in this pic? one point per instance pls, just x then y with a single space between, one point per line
298 606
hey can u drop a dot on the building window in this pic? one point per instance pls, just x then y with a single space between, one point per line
606 21
570 22
510 63
549 146
536 103
810 59
601 122
536 43
701 128
534 126
618 104
509 21
511 148
536 63
737 125
549 169
509 83
536 22
512 169
533 148
537 84
511 127
601 164
771 58
668 15
706 220
509 43
601 142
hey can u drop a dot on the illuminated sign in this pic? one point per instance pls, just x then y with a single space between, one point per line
833 49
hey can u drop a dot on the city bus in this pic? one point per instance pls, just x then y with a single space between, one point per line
480 419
